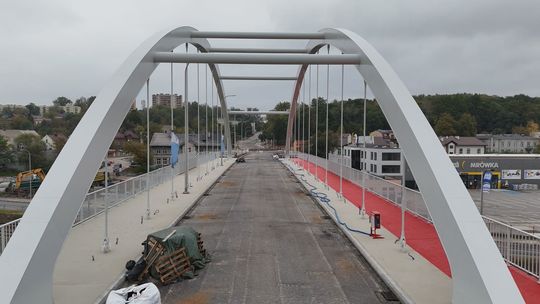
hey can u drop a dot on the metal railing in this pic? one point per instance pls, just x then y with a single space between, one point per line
519 248
94 202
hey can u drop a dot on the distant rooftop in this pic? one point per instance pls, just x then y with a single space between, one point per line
462 141
506 136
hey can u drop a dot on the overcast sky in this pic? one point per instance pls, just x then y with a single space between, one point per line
71 48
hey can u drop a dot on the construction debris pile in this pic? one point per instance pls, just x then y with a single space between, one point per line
169 254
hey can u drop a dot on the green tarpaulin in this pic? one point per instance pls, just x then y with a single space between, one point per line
183 237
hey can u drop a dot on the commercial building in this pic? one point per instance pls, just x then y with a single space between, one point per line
165 100
507 169
462 145
509 143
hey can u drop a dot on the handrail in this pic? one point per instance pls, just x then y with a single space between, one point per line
519 248
161 174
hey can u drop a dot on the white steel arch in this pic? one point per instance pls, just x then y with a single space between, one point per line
31 253
479 273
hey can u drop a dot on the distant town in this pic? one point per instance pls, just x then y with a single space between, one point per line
38 133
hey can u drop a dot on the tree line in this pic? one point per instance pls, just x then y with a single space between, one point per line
450 114
56 122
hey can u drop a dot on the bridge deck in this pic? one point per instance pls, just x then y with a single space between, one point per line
270 243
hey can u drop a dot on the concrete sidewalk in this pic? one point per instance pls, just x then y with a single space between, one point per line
83 274
411 276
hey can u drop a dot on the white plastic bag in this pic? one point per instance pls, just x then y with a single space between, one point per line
144 294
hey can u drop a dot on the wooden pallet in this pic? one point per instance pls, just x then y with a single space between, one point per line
155 250
173 266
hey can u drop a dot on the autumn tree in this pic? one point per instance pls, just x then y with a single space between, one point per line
466 125
446 125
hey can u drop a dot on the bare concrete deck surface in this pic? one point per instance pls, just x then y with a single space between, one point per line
271 243
412 276
83 274
520 209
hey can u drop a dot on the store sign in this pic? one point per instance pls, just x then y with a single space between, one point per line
511 174
532 174
486 182
484 165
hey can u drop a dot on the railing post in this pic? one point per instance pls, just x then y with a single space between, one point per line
508 243
403 208
2 238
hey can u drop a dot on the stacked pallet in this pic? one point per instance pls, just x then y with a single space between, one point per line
167 266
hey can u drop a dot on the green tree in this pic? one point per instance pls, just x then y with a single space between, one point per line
276 126
138 151
59 144
466 125
32 109
6 153
37 149
61 101
446 125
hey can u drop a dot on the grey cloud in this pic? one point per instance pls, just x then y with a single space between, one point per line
71 48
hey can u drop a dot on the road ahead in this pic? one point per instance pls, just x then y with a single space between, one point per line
270 243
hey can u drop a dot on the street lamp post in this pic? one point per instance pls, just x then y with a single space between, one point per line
234 125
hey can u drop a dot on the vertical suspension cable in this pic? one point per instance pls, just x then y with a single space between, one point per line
198 120
206 116
363 210
341 135
148 148
172 130
309 121
327 102
304 115
295 133
106 247
317 125
298 124
213 135
186 128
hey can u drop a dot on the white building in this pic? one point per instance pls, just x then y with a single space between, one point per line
381 157
509 143
68 108
51 141
462 145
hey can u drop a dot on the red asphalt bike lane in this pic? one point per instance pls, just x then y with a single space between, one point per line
419 233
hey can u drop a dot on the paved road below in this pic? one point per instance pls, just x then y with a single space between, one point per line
270 243
520 209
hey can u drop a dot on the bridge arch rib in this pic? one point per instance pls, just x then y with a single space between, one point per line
479 273
33 249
